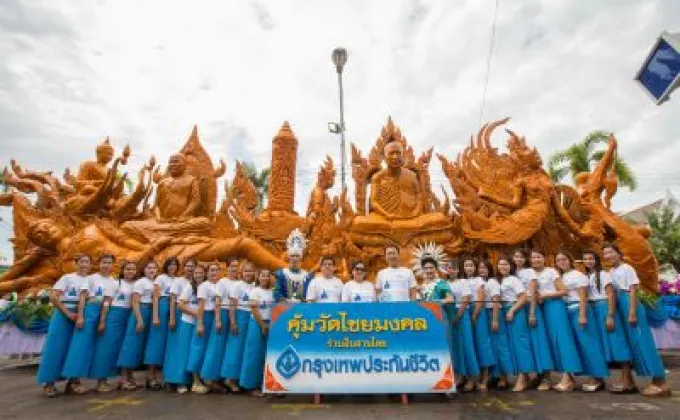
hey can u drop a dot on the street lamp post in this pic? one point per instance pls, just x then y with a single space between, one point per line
339 59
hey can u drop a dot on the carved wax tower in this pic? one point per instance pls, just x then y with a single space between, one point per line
284 162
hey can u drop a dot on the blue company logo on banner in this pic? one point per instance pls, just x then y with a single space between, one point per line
358 348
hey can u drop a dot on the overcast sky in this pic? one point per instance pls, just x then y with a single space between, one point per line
143 72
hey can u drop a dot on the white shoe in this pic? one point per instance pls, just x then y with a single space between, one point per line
182 390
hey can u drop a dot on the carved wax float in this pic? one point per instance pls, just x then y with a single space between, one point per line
503 201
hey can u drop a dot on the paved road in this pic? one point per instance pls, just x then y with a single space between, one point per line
20 398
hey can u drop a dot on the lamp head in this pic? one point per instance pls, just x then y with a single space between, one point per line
339 58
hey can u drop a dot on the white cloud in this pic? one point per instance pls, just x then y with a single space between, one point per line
145 72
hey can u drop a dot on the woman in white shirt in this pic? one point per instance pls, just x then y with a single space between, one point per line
540 347
480 323
137 331
154 354
550 293
239 317
646 358
217 342
174 314
358 290
64 298
205 317
175 369
79 357
112 322
602 298
583 325
261 303
498 334
462 325
514 299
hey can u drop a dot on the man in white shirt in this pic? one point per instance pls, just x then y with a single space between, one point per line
394 283
327 288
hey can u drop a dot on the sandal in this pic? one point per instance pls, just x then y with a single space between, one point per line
199 389
75 388
619 389
656 391
562 387
590 388
50 391
544 385
127 386
257 393
103 387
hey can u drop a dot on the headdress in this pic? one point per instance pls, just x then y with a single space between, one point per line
296 242
429 250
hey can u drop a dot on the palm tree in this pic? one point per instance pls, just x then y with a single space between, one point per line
665 237
261 181
580 156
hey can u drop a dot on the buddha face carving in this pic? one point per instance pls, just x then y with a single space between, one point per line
104 154
394 155
177 165
45 233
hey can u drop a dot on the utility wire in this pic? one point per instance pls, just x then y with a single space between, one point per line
488 63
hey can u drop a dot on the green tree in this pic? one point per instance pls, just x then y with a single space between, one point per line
665 237
259 178
584 154
4 187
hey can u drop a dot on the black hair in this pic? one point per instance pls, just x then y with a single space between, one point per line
614 247
194 284
357 262
107 257
569 257
394 246
489 267
429 260
125 263
597 268
461 268
327 258
81 256
507 259
170 261
527 257
190 260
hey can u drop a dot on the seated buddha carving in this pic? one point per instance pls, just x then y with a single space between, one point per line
396 210
178 201
92 173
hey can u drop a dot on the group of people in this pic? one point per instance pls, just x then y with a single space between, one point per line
196 331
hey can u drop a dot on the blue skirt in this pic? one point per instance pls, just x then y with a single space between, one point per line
540 346
175 368
132 351
464 341
79 358
154 354
589 343
614 345
520 341
55 348
199 344
482 334
107 346
214 352
500 346
233 356
455 345
646 358
562 342
171 340
252 370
